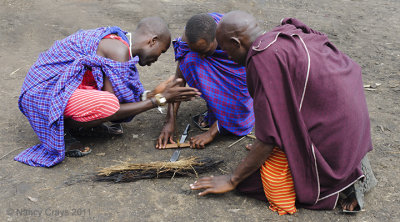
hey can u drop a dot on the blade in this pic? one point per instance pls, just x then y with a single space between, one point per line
186 129
175 155
183 138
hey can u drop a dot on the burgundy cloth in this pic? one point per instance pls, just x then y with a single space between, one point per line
334 117
252 187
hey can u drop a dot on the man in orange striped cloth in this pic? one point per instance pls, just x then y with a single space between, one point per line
312 122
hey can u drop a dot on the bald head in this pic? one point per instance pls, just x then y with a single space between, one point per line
238 23
150 39
236 32
154 26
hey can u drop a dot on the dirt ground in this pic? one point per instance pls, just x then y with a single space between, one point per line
367 30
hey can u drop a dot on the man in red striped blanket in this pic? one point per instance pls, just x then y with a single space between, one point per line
89 78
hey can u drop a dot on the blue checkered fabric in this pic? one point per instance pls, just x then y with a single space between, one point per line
222 83
54 77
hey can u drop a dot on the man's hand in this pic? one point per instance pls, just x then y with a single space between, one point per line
175 93
161 87
218 184
201 140
253 161
166 135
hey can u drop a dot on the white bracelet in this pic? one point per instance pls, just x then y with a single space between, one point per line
144 95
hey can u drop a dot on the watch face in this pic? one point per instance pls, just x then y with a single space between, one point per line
161 100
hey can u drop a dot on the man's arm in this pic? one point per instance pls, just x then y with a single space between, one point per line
258 154
115 50
167 132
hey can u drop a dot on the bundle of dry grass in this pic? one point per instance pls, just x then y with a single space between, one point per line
129 172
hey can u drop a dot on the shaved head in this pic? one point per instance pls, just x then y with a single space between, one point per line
238 23
236 32
150 39
201 26
200 34
154 26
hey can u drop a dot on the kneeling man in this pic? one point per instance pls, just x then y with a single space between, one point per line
312 122
222 82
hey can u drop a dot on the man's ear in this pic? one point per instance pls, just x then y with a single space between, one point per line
235 41
153 40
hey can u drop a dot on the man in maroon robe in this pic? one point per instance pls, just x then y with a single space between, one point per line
308 101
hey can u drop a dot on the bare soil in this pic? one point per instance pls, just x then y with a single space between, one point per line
367 30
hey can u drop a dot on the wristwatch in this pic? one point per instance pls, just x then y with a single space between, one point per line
161 100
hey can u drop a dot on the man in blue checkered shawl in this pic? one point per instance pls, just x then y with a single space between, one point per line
222 82
59 71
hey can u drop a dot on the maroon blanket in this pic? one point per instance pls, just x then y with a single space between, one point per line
309 100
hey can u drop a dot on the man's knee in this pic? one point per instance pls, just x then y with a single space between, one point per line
107 106
87 106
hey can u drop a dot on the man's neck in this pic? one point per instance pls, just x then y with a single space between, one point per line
256 34
184 38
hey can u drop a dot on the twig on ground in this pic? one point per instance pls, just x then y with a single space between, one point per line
392 151
237 141
251 136
223 171
9 153
11 74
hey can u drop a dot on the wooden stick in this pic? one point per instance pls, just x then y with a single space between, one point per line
10 152
15 71
237 141
251 136
175 145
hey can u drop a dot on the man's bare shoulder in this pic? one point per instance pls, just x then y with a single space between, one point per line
113 49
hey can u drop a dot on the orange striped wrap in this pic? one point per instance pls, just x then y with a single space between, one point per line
278 183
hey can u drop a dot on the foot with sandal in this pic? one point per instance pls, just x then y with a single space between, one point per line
103 130
74 148
351 199
348 200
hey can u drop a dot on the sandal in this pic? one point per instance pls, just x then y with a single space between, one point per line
199 119
78 153
102 130
362 186
73 147
348 196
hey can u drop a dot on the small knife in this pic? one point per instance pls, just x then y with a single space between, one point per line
175 155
